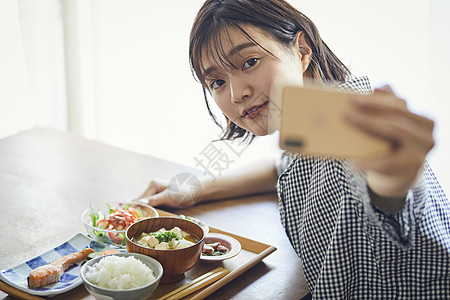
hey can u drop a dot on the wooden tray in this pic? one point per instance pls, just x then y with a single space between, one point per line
251 253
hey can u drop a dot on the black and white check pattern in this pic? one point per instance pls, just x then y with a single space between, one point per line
352 250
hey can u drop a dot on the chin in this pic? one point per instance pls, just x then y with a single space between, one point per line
259 131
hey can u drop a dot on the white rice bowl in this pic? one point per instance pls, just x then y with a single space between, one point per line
119 273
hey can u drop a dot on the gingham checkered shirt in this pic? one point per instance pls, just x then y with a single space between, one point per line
352 250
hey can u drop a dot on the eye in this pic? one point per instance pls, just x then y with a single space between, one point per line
216 84
250 63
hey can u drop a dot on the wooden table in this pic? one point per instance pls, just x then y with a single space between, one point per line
47 179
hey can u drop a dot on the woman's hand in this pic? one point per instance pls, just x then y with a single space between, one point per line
392 174
159 193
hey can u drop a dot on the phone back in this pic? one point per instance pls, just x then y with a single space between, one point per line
313 122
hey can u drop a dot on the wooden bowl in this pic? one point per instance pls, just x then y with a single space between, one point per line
175 262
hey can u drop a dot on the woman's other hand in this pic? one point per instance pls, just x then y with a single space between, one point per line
392 174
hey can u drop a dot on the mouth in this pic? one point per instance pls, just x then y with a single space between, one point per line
254 111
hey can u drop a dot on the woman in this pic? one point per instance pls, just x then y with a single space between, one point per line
375 228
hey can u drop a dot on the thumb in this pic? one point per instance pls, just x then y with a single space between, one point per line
157 199
154 187
386 89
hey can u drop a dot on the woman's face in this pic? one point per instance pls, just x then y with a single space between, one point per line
242 93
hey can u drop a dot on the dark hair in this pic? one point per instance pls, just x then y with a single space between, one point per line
276 17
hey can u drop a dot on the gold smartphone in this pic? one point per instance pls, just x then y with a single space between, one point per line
313 122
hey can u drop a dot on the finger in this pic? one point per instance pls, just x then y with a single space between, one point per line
365 163
396 124
398 163
160 199
376 105
381 162
379 103
153 188
385 89
397 128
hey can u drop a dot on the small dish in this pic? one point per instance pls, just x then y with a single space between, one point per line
17 275
226 240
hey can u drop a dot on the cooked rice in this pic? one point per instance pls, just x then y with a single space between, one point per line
119 273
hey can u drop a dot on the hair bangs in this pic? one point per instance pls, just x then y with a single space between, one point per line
211 54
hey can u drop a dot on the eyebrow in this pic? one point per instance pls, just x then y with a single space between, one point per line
232 52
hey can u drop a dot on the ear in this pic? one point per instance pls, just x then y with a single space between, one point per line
304 50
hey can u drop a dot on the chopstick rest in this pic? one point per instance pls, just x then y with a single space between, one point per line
196 284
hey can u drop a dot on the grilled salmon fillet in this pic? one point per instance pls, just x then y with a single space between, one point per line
52 272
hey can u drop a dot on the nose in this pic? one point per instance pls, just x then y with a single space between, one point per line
240 90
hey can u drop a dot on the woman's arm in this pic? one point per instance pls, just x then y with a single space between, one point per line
255 178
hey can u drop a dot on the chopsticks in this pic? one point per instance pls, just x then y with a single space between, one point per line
196 284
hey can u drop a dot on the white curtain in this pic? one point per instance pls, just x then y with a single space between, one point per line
15 98
32 66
